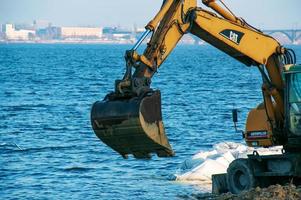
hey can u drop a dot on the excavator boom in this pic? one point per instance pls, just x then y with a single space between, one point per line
129 120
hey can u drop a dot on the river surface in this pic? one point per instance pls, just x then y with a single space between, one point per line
48 149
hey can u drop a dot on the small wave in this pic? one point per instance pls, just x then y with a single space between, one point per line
12 147
76 168
49 148
20 108
47 128
25 107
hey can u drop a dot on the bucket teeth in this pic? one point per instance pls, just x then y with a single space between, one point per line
132 126
141 155
165 153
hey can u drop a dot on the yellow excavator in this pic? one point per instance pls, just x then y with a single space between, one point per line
129 120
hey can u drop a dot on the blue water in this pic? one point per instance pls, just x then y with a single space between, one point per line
48 149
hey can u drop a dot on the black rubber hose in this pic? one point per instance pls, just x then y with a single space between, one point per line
289 57
293 54
286 58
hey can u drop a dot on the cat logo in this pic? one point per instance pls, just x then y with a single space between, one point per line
234 36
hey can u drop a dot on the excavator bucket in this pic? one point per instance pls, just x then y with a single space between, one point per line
132 126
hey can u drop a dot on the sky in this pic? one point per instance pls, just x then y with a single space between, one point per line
263 14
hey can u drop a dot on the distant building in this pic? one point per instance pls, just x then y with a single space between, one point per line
12 34
1 32
116 33
49 33
41 24
24 26
115 30
80 32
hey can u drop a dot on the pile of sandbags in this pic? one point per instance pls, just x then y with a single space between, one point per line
199 168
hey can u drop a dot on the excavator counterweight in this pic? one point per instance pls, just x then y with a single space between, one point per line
132 125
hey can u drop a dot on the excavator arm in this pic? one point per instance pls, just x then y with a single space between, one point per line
129 120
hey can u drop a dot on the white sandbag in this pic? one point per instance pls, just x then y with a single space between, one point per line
203 172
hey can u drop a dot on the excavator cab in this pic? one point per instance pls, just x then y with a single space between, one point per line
293 98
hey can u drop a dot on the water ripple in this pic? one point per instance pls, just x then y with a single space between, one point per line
48 149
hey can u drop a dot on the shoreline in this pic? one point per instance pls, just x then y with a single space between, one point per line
108 42
65 42
104 42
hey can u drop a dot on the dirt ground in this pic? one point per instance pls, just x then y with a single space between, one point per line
274 192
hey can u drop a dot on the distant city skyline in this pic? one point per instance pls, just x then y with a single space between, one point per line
264 14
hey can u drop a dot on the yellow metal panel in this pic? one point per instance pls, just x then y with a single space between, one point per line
250 42
257 121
